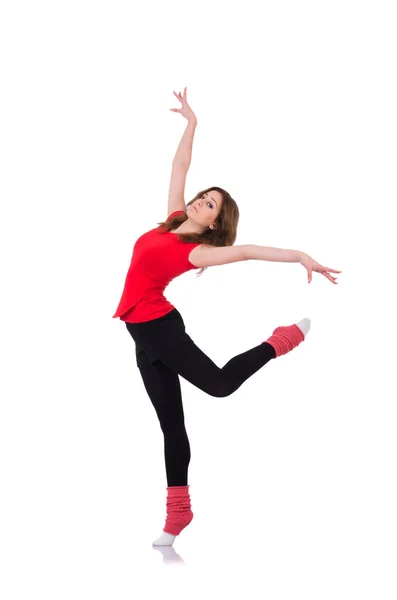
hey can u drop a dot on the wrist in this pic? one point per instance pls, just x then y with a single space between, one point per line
301 255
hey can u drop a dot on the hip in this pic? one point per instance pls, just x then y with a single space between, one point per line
158 335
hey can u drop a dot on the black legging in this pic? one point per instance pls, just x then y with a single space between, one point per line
162 384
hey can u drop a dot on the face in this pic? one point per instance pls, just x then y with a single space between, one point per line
208 208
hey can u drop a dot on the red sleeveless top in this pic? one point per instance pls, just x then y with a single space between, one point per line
157 258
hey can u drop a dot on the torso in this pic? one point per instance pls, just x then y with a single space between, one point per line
194 254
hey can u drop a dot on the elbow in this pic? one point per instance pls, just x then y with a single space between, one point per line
248 251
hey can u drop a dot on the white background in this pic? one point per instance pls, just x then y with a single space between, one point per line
293 477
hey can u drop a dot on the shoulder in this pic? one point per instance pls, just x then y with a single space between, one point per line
174 214
205 255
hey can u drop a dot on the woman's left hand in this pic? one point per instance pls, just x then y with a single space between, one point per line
311 265
185 110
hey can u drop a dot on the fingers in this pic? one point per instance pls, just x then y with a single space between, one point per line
321 269
178 96
332 279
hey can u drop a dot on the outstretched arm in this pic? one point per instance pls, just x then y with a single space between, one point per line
280 255
274 254
209 256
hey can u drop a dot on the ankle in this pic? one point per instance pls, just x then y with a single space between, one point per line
286 338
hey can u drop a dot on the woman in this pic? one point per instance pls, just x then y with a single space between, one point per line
200 234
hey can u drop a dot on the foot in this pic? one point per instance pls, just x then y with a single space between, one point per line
165 539
178 524
179 514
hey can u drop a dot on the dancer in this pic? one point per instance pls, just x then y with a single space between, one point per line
198 235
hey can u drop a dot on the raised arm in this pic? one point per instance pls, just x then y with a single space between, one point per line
182 159
180 167
183 154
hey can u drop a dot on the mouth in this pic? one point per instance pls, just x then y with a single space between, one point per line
195 208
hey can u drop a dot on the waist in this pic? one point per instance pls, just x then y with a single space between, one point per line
173 316
167 329
147 309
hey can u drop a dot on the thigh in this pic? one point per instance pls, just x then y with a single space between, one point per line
163 388
195 366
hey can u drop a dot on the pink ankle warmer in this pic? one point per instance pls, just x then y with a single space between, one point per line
285 339
179 513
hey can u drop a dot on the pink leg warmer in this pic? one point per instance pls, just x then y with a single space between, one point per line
179 513
284 339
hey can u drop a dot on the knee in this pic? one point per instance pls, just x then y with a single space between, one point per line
174 428
220 389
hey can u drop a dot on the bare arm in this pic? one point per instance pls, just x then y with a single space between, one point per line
209 256
184 151
255 252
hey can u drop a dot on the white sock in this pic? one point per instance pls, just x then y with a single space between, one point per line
304 326
165 539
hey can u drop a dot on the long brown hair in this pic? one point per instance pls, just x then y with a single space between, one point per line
225 232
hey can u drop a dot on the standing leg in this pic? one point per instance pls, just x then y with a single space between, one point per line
164 390
163 387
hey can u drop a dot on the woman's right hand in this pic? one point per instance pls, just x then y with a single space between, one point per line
312 265
185 111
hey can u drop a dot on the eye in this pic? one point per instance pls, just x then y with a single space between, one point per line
211 205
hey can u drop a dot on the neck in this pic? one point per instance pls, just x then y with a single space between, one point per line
189 226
